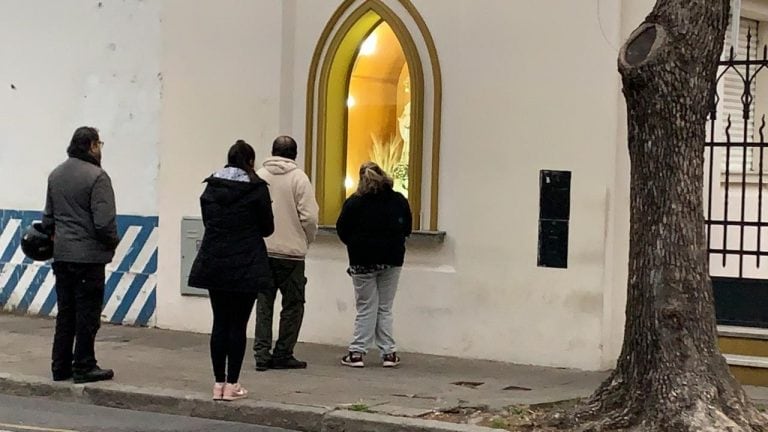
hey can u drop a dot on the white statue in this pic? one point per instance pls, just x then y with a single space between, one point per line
404 124
401 171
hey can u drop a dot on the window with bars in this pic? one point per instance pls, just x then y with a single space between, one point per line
733 95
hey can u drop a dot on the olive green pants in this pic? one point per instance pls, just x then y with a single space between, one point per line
288 277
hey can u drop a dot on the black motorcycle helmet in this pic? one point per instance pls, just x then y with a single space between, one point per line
36 244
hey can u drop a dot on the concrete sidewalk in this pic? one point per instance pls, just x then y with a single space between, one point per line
166 371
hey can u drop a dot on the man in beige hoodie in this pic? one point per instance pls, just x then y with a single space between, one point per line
296 212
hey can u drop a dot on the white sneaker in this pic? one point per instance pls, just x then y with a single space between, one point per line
353 359
391 360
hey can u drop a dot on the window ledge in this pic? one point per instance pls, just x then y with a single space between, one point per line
420 236
752 177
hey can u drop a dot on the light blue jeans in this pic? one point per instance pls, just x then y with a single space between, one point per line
374 296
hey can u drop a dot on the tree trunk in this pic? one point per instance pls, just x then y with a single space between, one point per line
670 375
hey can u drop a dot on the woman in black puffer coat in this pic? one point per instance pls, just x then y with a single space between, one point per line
232 261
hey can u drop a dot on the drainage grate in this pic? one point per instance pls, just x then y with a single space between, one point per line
516 388
470 384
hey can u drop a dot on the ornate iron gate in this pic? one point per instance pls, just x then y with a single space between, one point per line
735 188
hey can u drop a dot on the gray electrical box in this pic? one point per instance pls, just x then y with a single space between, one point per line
191 237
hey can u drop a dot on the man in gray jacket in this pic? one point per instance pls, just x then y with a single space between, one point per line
80 216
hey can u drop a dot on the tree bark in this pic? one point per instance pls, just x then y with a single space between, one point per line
670 375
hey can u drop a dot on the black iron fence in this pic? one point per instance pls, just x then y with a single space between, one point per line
735 183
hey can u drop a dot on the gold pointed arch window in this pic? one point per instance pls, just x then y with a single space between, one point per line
370 94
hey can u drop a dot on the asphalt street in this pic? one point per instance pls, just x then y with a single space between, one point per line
38 415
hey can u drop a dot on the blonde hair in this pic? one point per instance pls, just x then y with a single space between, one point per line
373 179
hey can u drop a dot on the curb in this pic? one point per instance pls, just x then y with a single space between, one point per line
281 415
350 421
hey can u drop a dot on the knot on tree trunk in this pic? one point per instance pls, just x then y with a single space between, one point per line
642 46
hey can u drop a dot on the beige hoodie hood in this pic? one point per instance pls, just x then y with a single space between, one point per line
279 165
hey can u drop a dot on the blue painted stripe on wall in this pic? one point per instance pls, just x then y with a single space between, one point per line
11 249
37 297
148 310
26 219
50 302
151 267
10 286
130 296
33 289
109 287
135 249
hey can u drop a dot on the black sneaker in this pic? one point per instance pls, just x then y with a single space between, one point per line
391 360
288 363
261 366
93 375
353 359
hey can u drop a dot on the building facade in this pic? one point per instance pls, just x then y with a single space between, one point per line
502 121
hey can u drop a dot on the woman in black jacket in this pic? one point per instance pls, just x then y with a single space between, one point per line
232 261
374 224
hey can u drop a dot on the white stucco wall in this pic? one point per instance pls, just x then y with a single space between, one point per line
172 84
76 63
523 91
221 72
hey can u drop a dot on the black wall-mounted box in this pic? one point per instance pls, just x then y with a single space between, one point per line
554 218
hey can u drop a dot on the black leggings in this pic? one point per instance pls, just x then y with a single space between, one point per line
231 311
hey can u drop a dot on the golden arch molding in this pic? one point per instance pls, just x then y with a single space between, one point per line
333 43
